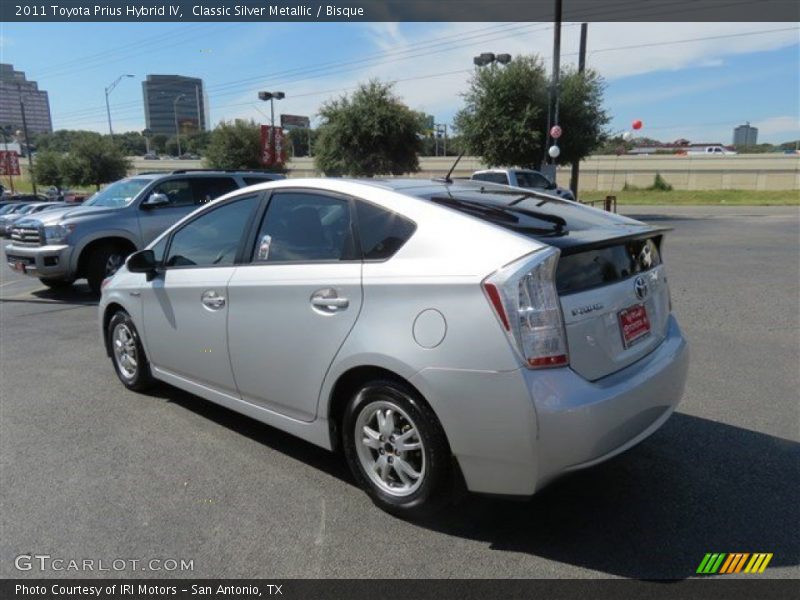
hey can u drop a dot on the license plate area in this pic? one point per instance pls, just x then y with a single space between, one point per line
634 324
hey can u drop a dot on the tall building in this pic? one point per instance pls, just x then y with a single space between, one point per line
744 136
13 88
175 100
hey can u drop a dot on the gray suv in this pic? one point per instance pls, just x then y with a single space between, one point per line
92 240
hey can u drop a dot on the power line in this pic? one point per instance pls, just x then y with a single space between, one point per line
608 49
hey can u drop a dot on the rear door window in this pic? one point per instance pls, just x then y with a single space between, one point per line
305 227
206 189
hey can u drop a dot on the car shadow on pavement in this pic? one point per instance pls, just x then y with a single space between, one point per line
696 486
278 440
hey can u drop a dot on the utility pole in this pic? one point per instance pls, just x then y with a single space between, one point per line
552 107
27 140
108 91
576 167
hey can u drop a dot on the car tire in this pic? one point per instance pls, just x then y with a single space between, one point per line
385 465
56 284
104 261
127 354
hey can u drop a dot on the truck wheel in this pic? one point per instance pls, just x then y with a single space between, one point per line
104 261
56 284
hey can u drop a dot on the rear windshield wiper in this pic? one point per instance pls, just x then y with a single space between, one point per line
504 215
497 212
559 222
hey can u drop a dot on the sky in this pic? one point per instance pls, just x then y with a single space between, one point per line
683 80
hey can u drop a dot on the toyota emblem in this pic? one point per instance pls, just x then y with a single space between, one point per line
640 287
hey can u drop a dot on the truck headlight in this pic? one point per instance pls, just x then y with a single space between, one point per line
53 234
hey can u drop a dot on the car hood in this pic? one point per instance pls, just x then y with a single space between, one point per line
58 215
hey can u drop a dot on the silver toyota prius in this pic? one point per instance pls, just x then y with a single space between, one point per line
437 332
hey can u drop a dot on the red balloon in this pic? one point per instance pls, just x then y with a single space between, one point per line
637 124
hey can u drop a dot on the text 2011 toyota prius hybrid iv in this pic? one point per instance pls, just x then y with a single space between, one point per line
430 329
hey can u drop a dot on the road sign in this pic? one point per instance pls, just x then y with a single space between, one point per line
290 122
272 157
9 163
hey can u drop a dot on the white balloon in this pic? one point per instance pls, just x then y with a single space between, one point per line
627 136
554 151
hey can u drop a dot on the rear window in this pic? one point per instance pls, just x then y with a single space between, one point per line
382 232
602 266
527 179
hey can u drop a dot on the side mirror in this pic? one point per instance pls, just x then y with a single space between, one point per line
143 261
155 199
552 185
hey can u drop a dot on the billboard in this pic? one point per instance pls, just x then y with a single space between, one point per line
9 162
290 122
273 150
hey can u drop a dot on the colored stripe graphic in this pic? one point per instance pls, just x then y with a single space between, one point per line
711 563
759 562
734 563
726 564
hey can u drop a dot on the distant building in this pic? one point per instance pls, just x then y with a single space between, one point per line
13 88
171 99
744 136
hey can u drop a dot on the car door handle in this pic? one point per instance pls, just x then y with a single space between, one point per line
327 300
213 300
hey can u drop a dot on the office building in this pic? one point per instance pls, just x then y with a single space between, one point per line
744 136
175 101
13 88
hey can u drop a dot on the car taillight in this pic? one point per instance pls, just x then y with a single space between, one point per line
523 294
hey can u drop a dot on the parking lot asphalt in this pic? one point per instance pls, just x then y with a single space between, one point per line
89 470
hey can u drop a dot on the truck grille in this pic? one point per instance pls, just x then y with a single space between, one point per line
26 235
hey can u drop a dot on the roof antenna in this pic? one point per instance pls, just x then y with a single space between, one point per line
447 178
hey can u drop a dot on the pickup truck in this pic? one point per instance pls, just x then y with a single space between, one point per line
94 239
524 178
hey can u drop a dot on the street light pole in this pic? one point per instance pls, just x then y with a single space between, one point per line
108 91
175 114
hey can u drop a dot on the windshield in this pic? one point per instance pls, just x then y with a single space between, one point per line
118 194
7 209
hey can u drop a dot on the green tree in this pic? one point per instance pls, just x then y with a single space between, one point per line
370 133
48 168
158 143
504 120
235 145
94 159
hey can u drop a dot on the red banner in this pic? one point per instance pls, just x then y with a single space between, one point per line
273 151
9 162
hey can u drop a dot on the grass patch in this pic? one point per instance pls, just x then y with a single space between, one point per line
701 197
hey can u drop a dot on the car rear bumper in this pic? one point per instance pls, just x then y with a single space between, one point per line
40 261
513 432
